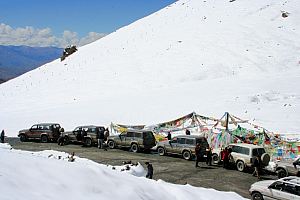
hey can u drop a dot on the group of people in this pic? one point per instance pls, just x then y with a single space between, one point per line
102 135
200 154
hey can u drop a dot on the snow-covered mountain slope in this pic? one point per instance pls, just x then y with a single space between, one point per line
205 56
45 176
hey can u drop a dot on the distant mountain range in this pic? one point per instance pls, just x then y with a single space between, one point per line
16 60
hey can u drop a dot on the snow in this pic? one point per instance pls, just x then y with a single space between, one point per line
49 175
204 56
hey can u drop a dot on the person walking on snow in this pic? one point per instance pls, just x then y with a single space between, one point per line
149 170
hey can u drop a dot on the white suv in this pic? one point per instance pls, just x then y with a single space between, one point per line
287 188
243 155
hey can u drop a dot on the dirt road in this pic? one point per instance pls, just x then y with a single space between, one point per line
170 169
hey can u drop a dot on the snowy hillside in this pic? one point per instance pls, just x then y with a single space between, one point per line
204 56
49 175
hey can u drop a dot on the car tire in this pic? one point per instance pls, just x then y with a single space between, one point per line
215 158
256 196
265 159
186 155
240 165
88 142
111 144
44 138
134 148
23 138
161 151
281 173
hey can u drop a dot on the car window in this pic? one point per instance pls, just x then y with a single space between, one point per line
244 150
181 140
43 127
277 186
92 130
148 136
190 141
130 134
241 150
235 149
139 135
174 140
289 188
258 151
34 127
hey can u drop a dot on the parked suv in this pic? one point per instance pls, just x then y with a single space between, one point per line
44 132
133 139
182 145
287 188
76 136
244 154
288 168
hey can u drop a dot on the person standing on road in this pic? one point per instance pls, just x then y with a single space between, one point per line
256 165
225 158
208 154
100 134
198 154
149 170
2 136
106 134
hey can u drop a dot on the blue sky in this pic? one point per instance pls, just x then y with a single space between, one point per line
77 16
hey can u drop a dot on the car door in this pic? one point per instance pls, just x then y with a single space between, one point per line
171 147
32 131
181 144
278 191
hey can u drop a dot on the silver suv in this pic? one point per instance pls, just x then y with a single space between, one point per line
183 145
287 188
243 155
134 139
288 168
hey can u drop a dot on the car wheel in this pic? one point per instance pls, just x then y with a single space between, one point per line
281 173
186 155
215 158
161 151
256 196
88 142
265 159
23 138
44 138
134 148
240 166
111 144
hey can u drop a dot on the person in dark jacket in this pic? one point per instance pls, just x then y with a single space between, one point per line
188 132
225 158
208 154
106 134
256 165
2 136
100 137
198 154
169 136
149 170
